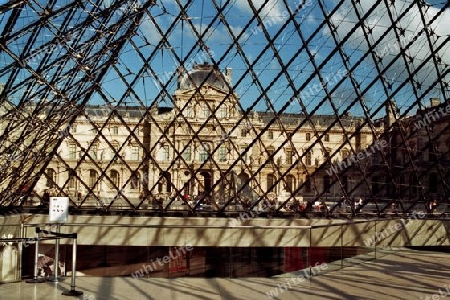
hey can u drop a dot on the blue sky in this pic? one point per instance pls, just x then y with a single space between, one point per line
217 45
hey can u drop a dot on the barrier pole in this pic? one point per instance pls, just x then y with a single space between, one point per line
72 291
36 257
54 278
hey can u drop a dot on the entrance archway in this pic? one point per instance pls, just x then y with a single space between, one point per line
207 181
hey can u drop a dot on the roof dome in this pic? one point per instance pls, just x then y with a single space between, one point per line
203 74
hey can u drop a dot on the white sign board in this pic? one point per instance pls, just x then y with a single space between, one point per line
59 209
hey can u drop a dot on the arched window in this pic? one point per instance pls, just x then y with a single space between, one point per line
243 184
271 187
115 178
165 182
290 183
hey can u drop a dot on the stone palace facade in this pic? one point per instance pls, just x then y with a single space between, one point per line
204 145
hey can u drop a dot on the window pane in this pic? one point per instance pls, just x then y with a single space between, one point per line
134 182
222 113
93 151
135 153
187 154
289 157
271 179
204 152
72 181
72 151
308 159
114 176
92 178
203 155
222 153
166 152
51 178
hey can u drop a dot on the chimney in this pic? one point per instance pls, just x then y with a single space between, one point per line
435 102
181 71
228 72
391 113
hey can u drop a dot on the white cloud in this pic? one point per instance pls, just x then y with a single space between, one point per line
379 22
150 30
272 9
237 30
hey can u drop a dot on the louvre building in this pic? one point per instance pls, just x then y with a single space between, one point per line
204 150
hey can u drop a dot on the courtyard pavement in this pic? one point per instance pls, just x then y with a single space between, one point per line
405 274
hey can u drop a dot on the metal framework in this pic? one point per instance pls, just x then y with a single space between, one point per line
364 70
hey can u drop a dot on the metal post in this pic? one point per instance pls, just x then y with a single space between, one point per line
375 239
54 278
20 244
342 246
72 291
309 254
36 256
